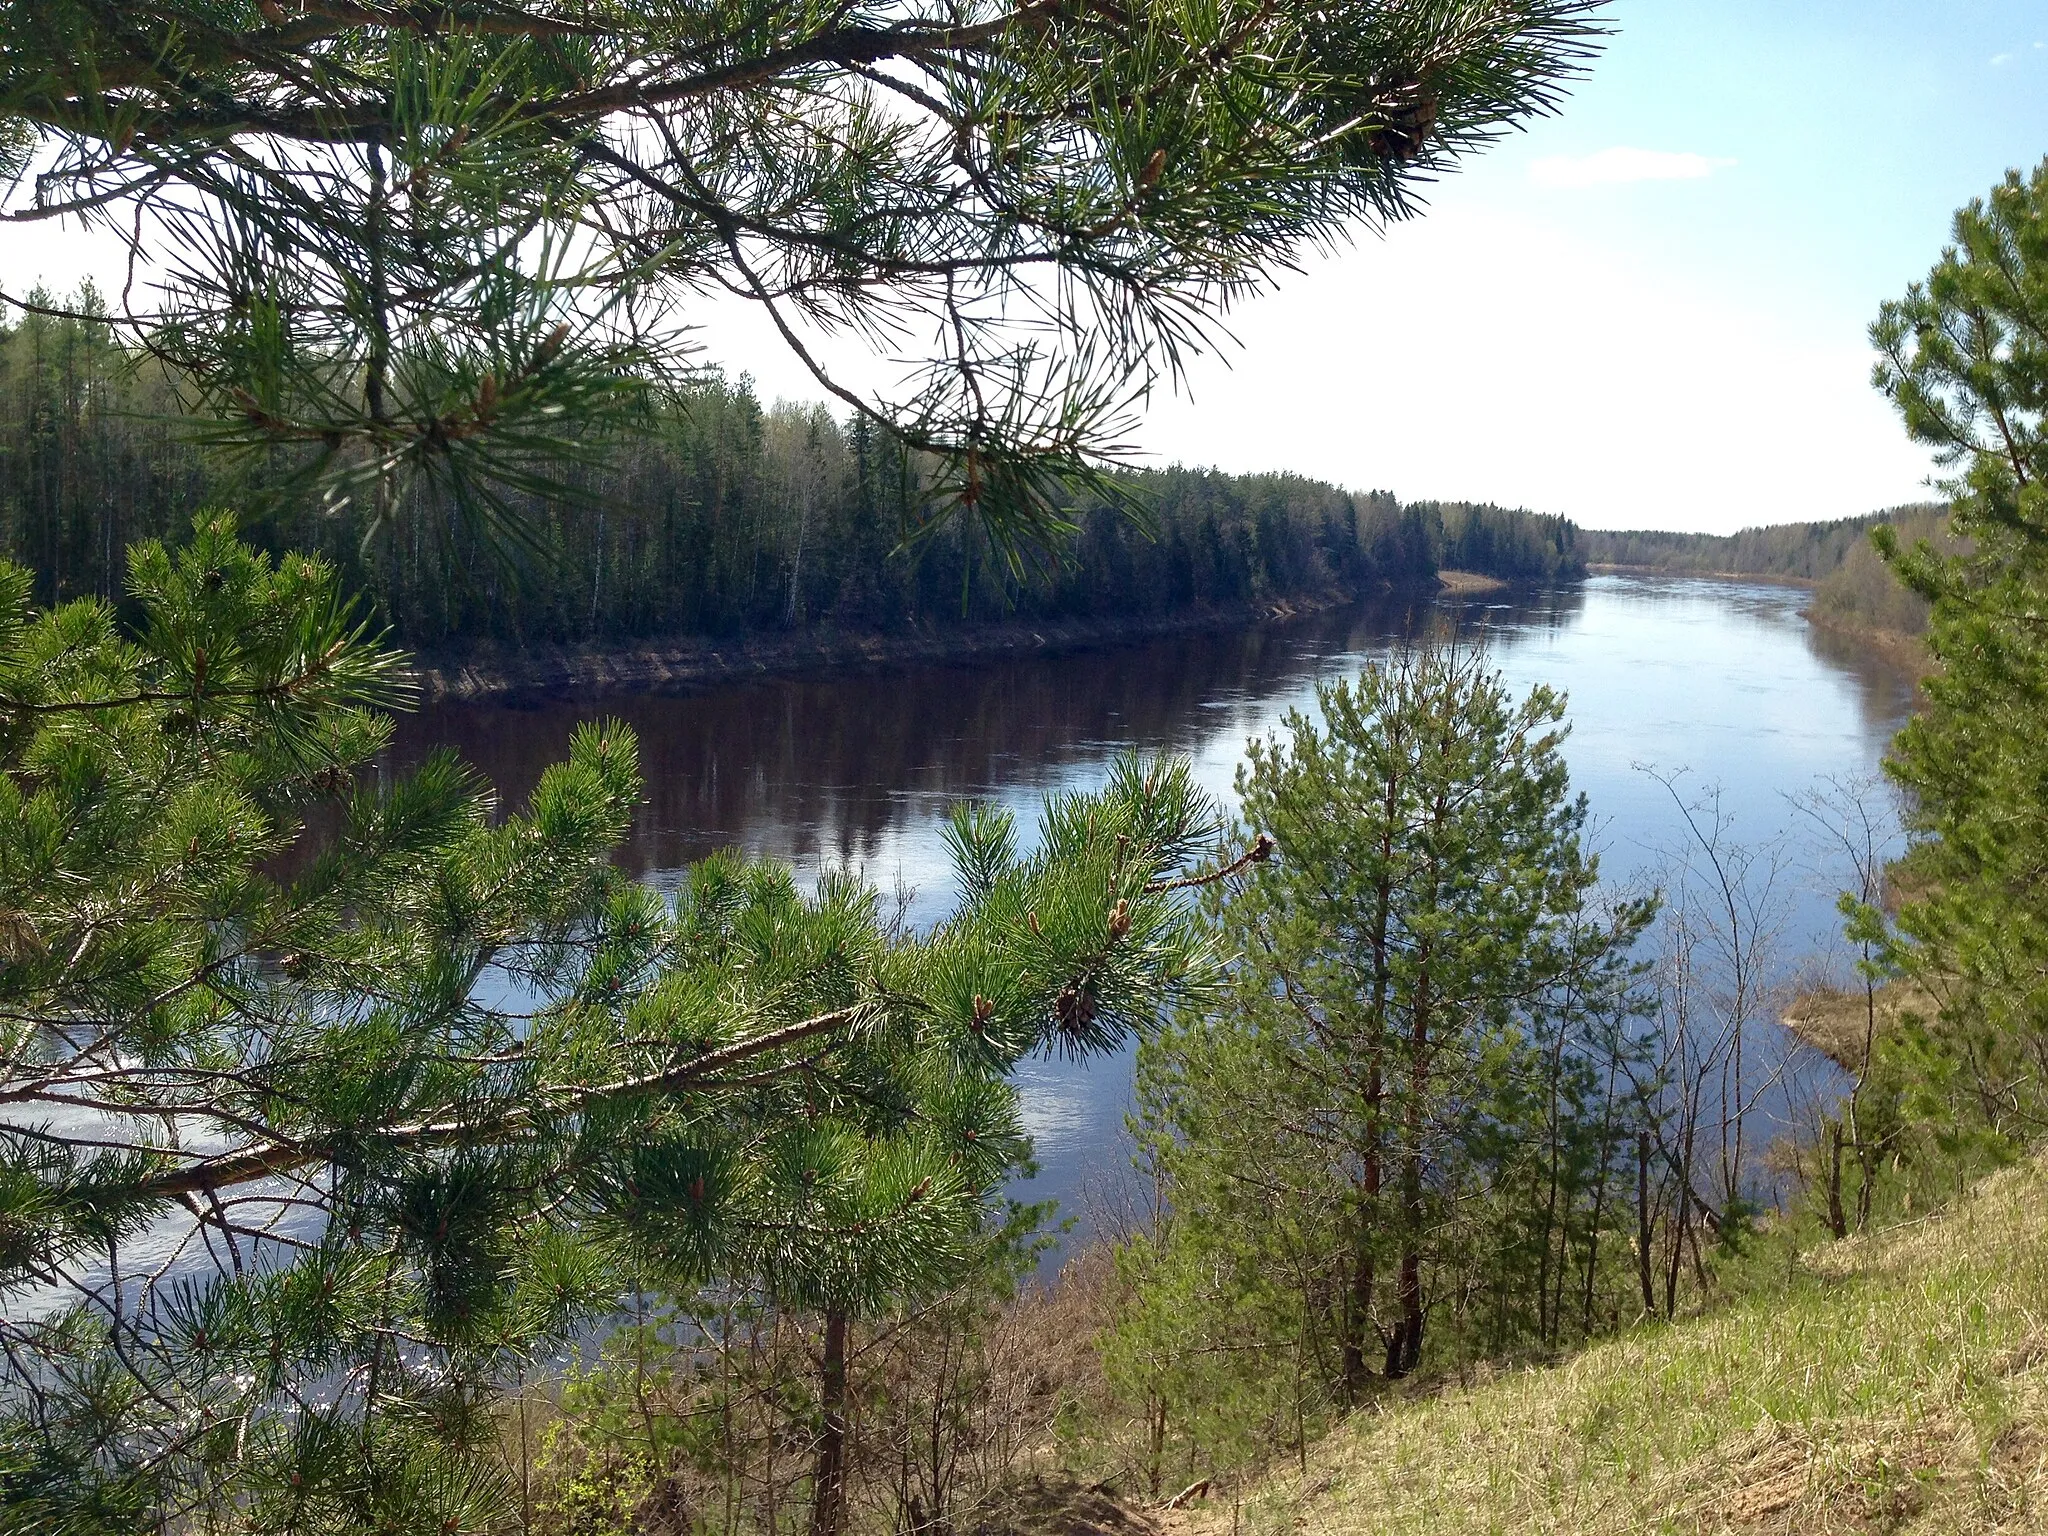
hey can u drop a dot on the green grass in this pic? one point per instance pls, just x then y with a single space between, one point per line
1894 1382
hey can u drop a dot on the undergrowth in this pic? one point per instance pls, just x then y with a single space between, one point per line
1896 1381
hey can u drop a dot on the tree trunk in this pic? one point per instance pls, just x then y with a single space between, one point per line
1645 1226
1838 1223
828 1482
1155 1444
1863 1153
1549 1317
1599 1215
1364 1274
1358 1317
1364 1267
1405 1349
1678 1236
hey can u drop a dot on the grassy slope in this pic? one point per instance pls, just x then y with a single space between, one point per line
1897 1382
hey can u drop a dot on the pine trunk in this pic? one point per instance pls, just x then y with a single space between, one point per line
1364 1265
828 1482
1646 1231
1358 1318
1838 1221
1405 1349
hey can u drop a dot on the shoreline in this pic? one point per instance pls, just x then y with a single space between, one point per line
1903 650
686 663
1895 646
690 662
1752 578
1469 584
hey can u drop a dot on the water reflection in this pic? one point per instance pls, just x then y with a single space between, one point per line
828 770
857 768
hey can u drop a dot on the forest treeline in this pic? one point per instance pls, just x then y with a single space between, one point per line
727 517
1853 586
1787 551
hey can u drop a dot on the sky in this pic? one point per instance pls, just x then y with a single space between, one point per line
1651 309
1647 311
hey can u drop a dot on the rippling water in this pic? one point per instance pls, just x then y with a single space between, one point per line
858 768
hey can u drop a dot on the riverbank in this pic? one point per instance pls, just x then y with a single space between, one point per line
1896 1381
1469 583
1610 568
686 662
1908 651
689 662
1840 1023
1895 646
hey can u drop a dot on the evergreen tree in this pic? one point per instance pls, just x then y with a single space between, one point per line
438 242
1965 359
1408 1102
332 1102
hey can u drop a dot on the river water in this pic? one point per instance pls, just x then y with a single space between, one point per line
1723 682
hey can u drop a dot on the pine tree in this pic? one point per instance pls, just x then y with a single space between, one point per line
443 242
334 1100
1406 1096
1965 359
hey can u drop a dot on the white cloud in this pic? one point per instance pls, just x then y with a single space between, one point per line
1475 353
2002 58
1471 353
1479 354
1611 167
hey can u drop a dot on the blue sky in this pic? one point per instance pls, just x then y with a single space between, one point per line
1647 311
1683 352
1855 130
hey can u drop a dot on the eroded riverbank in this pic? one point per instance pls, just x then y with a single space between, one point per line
687 663
690 662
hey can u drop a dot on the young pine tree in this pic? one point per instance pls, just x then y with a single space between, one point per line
1404 1103
331 1102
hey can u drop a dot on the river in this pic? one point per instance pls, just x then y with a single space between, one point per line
1721 680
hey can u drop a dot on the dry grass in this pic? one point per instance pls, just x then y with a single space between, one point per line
1468 583
1899 1383
1062 1506
1835 1021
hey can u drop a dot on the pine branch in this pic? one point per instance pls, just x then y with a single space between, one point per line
1260 851
260 1162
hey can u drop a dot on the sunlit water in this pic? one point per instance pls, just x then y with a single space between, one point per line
1724 681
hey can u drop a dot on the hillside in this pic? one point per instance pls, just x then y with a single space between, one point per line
1895 1382
1783 551
1795 552
1854 591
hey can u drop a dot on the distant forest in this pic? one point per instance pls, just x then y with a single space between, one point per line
1788 551
727 518
1853 588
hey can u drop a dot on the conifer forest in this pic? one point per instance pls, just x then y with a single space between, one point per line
726 517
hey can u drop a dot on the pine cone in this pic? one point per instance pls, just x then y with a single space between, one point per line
1407 119
1075 1009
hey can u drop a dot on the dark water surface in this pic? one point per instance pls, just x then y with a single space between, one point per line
858 768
